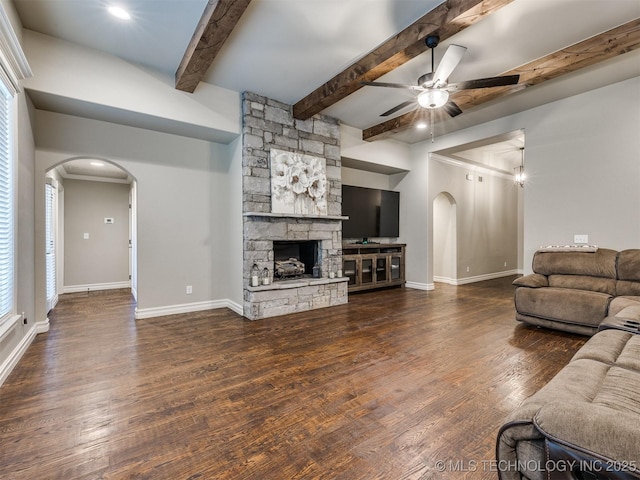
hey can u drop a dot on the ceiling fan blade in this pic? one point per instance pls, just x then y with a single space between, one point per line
452 108
398 108
485 83
391 85
449 62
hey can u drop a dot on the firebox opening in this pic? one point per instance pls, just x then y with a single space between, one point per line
305 252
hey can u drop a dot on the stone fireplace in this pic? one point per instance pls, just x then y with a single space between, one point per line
267 236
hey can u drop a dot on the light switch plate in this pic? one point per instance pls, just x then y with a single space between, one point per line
581 239
85 236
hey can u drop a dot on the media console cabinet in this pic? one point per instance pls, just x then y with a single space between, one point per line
373 265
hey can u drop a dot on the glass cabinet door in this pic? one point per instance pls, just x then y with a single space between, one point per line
367 270
395 268
349 271
381 269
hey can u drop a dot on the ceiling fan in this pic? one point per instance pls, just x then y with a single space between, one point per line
433 87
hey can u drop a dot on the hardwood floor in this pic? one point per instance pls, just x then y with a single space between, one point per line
382 388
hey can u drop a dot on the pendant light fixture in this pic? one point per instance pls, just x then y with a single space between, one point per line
519 175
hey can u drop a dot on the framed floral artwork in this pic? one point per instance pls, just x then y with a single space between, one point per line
298 183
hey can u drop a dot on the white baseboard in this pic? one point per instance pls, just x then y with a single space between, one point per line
236 307
419 286
42 327
479 278
450 281
96 286
141 313
14 357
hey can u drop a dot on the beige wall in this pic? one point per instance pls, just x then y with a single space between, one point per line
189 207
103 258
361 178
487 218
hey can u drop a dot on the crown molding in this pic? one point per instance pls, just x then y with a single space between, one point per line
13 61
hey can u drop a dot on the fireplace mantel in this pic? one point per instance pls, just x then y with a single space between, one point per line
296 216
296 283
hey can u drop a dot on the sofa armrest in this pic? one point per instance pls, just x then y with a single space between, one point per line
534 280
519 448
607 432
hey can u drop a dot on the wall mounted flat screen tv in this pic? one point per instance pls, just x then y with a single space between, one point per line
372 212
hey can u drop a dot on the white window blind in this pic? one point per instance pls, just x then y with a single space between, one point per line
50 244
6 206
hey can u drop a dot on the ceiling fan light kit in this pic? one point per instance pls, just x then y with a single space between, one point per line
433 98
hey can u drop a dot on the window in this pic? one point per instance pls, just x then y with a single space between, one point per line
51 205
6 206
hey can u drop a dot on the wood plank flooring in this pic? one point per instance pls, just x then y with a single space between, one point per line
382 388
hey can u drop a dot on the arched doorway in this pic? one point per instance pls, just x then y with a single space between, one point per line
444 239
90 227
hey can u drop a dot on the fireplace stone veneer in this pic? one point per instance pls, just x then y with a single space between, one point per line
268 124
299 294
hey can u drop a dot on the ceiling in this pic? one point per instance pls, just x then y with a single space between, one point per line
93 169
285 49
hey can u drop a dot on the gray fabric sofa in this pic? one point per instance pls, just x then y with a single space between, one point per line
575 291
585 423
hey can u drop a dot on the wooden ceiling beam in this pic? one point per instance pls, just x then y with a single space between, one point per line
447 19
607 45
216 24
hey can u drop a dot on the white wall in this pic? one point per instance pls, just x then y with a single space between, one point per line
362 178
389 153
187 203
102 260
232 206
77 79
445 244
582 168
486 216
25 244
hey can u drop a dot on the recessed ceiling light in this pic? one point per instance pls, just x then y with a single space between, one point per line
119 12
421 125
97 164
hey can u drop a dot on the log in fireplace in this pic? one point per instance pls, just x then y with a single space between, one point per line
305 254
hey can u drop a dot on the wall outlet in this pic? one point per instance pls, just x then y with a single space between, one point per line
85 236
467 269
581 239
505 264
189 289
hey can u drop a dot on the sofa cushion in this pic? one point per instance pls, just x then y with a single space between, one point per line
605 430
629 265
584 282
627 287
620 303
613 347
632 312
605 347
562 304
533 280
599 264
